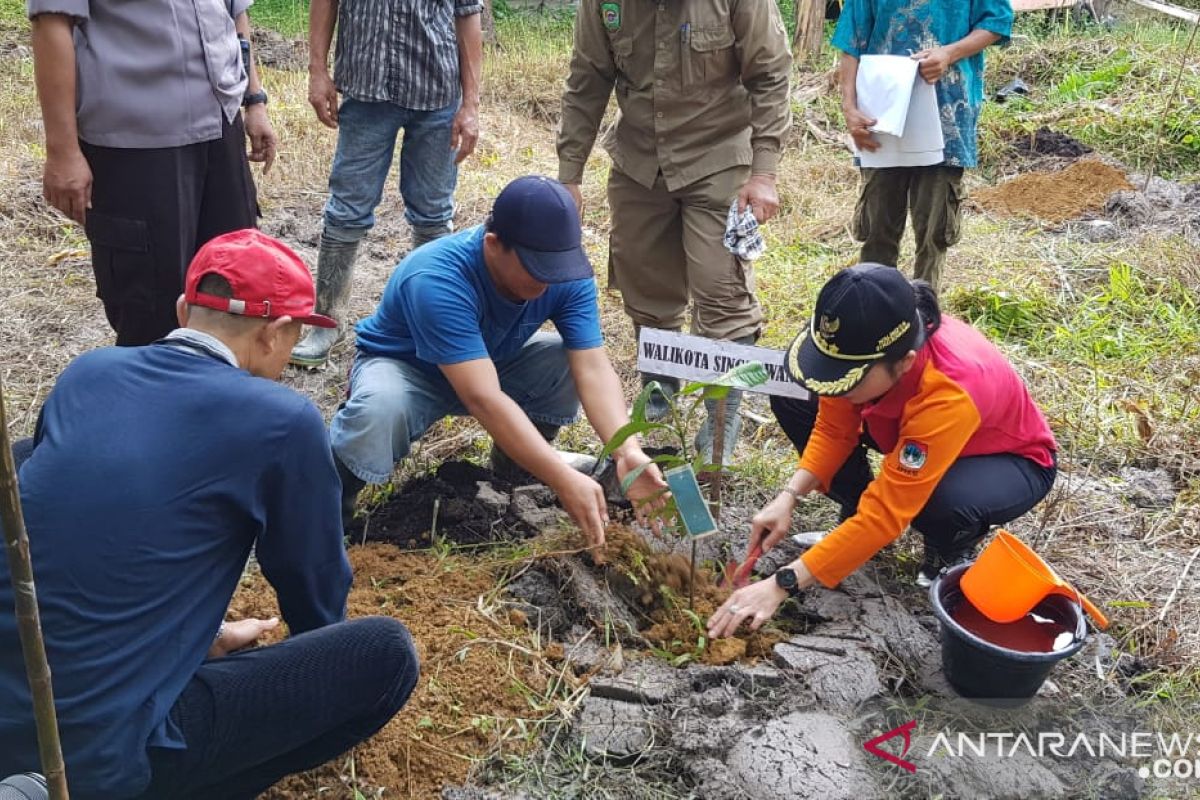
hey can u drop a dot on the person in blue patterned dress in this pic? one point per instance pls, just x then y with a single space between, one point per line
948 37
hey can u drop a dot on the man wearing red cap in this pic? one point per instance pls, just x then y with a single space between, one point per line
155 471
457 332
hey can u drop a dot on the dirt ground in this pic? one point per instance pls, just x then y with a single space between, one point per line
482 678
545 676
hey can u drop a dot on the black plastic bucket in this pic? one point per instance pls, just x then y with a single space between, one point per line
986 672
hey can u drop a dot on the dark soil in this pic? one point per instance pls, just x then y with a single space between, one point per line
1045 142
473 506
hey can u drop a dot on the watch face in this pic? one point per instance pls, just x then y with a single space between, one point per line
786 579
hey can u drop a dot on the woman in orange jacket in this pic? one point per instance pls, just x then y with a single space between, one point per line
964 445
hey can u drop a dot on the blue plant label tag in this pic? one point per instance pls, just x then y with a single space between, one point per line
693 508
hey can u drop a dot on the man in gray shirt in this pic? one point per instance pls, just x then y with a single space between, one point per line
411 65
145 141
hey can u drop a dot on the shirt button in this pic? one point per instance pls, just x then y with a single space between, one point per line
659 81
659 115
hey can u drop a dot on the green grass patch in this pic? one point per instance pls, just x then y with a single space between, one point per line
1108 89
289 17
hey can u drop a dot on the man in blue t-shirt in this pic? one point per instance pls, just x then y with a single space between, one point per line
948 37
154 472
457 332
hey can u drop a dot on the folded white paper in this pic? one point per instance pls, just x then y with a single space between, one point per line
908 123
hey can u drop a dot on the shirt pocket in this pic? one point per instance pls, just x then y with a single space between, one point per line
709 60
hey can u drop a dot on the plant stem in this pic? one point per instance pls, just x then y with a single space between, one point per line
718 457
33 646
692 580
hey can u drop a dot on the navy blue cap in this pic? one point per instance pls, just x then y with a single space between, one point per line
863 314
537 217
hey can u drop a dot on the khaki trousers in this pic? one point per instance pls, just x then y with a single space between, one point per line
668 247
931 195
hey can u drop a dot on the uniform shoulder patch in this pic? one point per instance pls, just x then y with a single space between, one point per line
913 455
611 14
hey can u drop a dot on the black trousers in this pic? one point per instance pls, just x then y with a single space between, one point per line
976 493
152 209
254 717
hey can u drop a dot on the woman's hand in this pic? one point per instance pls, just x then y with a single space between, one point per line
755 603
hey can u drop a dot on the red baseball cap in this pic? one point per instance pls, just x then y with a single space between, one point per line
269 280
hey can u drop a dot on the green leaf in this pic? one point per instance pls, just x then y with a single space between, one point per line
743 376
632 476
638 412
623 433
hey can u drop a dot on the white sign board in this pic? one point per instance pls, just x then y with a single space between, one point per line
694 358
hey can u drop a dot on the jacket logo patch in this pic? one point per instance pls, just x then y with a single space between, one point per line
611 14
913 455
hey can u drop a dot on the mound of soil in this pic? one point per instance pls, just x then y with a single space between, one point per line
656 586
472 504
1045 142
479 672
1058 196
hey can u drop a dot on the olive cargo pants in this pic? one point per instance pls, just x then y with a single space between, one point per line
931 195
668 247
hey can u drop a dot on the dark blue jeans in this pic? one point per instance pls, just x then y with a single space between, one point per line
976 493
256 716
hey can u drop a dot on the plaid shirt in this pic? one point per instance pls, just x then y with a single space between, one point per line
400 51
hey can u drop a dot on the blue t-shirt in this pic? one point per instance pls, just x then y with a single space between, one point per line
904 27
441 307
156 470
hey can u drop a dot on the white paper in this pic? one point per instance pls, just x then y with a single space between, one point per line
909 126
885 87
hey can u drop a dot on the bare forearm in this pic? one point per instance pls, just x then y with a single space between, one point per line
54 74
513 433
603 400
974 42
322 14
469 31
847 77
254 84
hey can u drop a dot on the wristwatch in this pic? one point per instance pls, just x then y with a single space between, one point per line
254 99
786 579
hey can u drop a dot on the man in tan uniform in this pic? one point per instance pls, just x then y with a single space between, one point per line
702 86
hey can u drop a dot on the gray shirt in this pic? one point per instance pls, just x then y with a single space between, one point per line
153 73
400 51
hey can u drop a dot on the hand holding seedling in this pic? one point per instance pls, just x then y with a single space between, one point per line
648 491
243 633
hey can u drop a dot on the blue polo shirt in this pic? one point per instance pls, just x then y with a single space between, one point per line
155 472
441 307
904 27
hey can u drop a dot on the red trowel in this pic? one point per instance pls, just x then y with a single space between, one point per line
739 575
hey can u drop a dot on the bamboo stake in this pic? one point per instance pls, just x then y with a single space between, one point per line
33 646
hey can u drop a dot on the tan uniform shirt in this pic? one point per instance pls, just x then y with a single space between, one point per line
702 86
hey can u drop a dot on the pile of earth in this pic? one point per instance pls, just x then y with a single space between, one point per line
462 503
1055 197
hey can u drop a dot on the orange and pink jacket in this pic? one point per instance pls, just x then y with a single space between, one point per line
960 398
